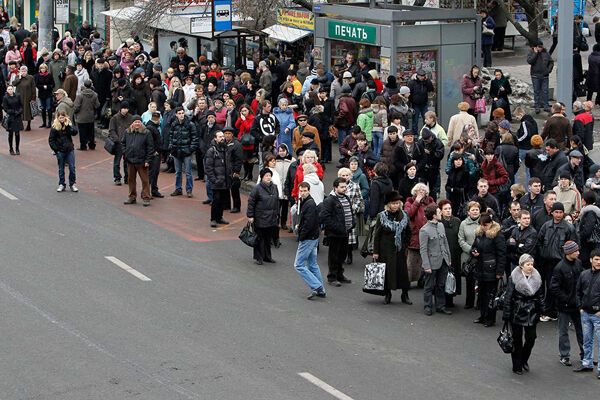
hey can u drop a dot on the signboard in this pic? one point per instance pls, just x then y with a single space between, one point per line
222 15
296 18
359 33
61 11
200 24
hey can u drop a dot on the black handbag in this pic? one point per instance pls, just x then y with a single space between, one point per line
468 267
248 235
5 121
505 339
498 303
110 146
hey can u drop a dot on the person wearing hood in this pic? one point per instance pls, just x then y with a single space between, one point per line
64 103
391 235
568 195
522 309
574 169
262 212
56 68
45 86
391 88
61 143
25 88
140 92
317 190
365 118
283 161
84 109
285 116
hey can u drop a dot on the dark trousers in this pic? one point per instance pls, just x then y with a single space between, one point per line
470 289
17 136
487 292
554 43
200 163
142 171
434 287
262 248
220 196
499 34
117 163
522 351
86 135
326 154
487 55
336 256
547 266
283 212
235 193
153 174
564 344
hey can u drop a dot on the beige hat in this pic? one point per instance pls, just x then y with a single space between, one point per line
61 91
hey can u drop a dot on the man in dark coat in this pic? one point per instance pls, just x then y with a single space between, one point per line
337 220
592 80
563 287
558 127
541 65
235 154
574 169
308 240
119 123
555 158
138 150
154 128
522 239
85 107
182 144
102 77
420 87
218 167
533 200
432 149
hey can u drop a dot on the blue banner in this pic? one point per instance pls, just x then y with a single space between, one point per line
222 15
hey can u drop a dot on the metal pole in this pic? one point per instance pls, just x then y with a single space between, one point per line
564 73
46 23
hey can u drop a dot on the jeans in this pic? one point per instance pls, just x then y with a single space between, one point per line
117 163
591 328
377 143
564 345
66 158
434 286
342 132
540 91
306 263
522 154
46 104
419 110
209 191
186 163
522 351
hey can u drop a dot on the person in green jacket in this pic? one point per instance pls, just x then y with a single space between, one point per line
365 118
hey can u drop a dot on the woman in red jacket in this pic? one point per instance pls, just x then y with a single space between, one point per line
243 125
493 171
415 209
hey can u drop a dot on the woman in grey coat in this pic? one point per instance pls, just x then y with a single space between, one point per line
466 237
263 212
57 67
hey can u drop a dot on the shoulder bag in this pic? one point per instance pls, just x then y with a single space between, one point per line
505 339
248 236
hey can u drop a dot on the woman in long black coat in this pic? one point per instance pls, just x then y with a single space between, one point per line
458 185
451 227
391 236
592 81
13 107
499 91
263 212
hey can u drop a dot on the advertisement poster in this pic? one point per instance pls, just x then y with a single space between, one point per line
409 62
295 18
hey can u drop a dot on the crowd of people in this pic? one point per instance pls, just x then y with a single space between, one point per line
517 217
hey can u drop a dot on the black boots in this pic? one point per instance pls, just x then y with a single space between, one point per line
44 124
405 299
28 126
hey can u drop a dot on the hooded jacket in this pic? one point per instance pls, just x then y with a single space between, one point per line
491 246
589 221
85 106
365 121
65 105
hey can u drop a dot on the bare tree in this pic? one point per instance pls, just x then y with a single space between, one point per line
533 10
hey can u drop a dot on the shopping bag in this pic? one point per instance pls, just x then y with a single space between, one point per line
450 283
480 106
35 108
247 235
505 339
374 278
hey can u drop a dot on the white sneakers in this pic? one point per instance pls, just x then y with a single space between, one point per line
61 188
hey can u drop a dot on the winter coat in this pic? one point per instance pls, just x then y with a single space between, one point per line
384 244
299 177
138 147
402 156
380 118
532 205
296 143
589 221
380 186
360 179
405 186
533 161
438 131
263 205
265 125
141 97
588 291
564 284
575 172
429 165
419 91
387 154
583 126
13 106
558 128
416 215
308 220
25 87
468 92
45 85
317 190
365 121
117 126
550 167
56 68
85 106
66 105
541 64
61 141
332 216
457 124
452 226
527 128
592 81
458 187
491 24
286 121
218 165
524 242
82 76
522 308
552 237
510 152
346 113
495 174
70 86
433 246
491 246
184 139
570 198
466 237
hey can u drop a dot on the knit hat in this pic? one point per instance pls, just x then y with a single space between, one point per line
564 175
498 113
124 104
87 83
211 112
265 171
504 124
354 159
158 67
136 118
391 81
570 247
593 169
558 206
576 153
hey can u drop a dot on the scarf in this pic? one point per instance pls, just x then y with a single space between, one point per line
395 226
527 286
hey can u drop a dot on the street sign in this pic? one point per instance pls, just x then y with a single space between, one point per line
352 32
61 11
200 24
222 15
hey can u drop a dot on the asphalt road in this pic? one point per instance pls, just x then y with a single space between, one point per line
212 325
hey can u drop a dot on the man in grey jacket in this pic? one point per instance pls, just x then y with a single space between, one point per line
541 66
435 254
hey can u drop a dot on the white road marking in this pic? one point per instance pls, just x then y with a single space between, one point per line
7 195
127 268
325 386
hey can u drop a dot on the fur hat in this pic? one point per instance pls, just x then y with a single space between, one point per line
392 196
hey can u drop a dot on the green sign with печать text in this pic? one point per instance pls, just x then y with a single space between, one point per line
352 32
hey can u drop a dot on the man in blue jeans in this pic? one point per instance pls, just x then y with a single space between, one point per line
541 66
308 238
183 143
420 87
588 302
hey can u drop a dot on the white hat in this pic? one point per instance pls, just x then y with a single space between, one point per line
347 75
404 90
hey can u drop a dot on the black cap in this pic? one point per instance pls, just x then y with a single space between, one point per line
124 104
228 129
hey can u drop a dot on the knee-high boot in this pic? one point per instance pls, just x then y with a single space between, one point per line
10 142
17 142
43 112
49 124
